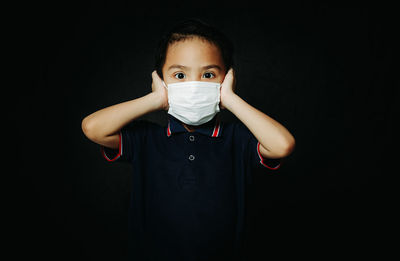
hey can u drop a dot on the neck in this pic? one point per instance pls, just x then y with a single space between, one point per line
189 127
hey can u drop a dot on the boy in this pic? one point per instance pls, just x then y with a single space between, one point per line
189 177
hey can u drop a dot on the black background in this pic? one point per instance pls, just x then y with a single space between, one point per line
325 73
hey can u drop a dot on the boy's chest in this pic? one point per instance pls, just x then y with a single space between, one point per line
191 161
188 185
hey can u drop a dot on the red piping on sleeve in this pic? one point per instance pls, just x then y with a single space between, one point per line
262 160
119 150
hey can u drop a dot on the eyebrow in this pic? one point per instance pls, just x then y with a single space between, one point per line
182 67
177 66
211 66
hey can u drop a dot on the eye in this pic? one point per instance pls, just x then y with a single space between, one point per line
180 75
208 75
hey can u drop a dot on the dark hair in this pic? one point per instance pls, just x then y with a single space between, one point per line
187 29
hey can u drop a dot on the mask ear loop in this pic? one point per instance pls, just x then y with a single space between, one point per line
164 84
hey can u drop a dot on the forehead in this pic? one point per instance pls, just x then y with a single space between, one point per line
193 52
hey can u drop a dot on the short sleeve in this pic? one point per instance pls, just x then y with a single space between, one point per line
252 150
257 160
131 138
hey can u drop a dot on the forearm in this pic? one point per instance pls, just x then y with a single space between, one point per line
273 136
110 120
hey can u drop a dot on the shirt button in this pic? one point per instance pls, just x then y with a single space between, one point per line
191 157
191 138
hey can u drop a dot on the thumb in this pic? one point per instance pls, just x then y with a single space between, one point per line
157 81
229 75
155 77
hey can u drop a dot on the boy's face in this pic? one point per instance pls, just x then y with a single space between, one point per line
193 59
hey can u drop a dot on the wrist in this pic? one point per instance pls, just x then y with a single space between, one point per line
154 101
158 100
229 101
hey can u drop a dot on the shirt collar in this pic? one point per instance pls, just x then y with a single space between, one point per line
212 128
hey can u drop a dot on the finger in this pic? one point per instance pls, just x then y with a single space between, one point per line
229 75
154 75
230 71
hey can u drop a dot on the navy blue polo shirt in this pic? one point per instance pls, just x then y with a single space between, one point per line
188 188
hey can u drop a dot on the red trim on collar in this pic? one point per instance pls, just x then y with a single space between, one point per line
168 129
216 130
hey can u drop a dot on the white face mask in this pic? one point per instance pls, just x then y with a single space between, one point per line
194 102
